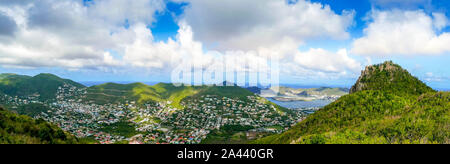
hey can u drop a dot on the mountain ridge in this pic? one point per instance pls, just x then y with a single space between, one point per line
44 84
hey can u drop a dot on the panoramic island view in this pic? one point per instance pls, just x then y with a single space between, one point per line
224 72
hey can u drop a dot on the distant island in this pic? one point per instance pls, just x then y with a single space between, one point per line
308 94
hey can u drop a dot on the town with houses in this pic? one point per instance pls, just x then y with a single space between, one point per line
158 122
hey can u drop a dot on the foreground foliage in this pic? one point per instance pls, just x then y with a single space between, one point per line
388 119
20 129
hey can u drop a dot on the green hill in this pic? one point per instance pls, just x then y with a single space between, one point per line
139 92
225 91
387 105
20 129
162 92
389 77
46 85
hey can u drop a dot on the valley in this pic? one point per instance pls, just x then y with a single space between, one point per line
159 114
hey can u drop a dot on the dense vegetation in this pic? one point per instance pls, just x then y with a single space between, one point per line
122 128
46 85
228 134
387 105
20 129
31 110
139 92
390 77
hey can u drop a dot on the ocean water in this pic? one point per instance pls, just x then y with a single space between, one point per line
301 104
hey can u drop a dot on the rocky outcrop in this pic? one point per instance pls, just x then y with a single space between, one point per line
370 71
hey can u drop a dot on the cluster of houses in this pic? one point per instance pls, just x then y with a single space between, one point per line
69 92
85 120
160 123
16 101
81 119
201 115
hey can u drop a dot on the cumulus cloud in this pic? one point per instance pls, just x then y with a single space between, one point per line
68 34
190 51
135 11
440 21
251 24
14 2
338 62
398 32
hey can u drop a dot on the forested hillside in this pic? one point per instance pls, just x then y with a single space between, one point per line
387 105
20 129
43 86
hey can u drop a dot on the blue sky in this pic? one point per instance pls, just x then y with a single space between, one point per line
116 40
166 25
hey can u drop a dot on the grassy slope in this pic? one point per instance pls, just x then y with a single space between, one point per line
228 134
139 92
389 119
403 110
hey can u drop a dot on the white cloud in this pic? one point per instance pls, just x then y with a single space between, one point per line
135 11
325 61
430 77
440 21
251 24
67 34
314 60
397 32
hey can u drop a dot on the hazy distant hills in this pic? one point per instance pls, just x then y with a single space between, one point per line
386 105
43 86
293 94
